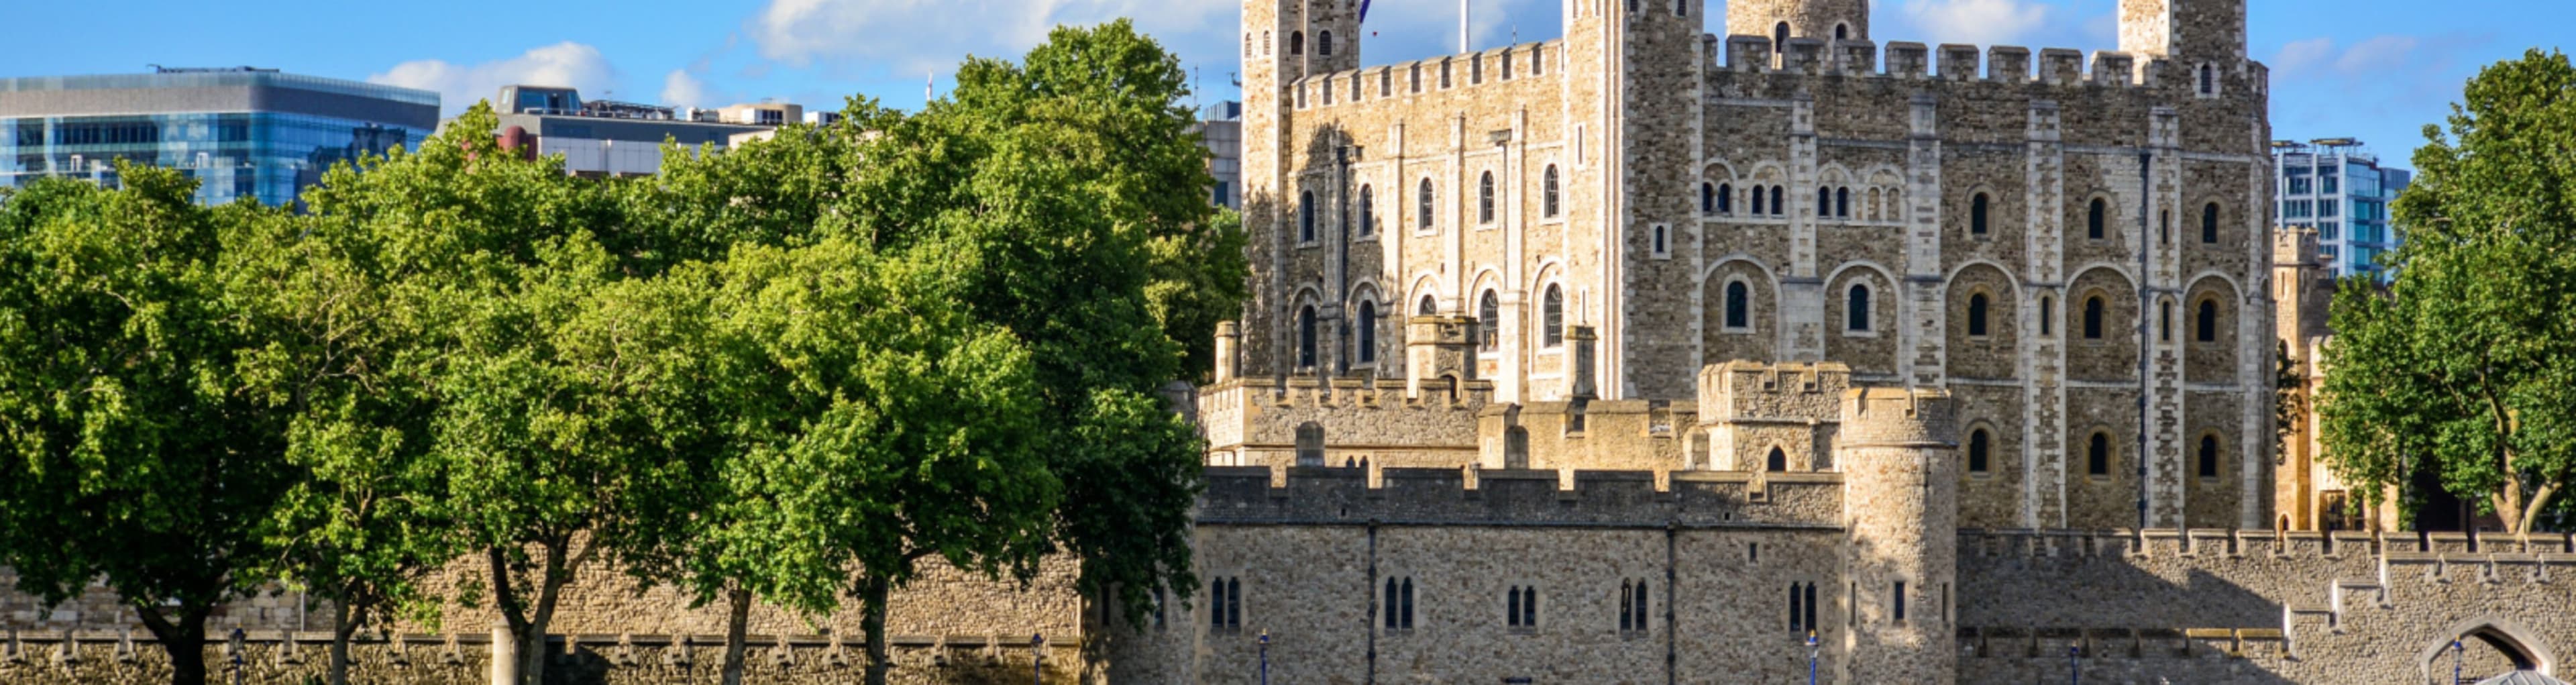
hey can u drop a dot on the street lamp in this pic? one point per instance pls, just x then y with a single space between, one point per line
2456 648
1265 657
1037 649
2074 675
239 646
1812 652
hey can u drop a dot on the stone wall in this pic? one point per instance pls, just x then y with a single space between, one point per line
291 658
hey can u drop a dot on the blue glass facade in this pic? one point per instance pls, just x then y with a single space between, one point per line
2343 194
258 135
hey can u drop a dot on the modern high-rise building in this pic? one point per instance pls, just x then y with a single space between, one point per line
241 132
2335 187
610 138
1221 132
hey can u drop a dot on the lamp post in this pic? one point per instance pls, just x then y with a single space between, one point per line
1265 657
1037 649
1812 652
238 648
2074 675
2456 648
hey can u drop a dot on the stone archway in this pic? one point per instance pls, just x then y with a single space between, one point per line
2494 638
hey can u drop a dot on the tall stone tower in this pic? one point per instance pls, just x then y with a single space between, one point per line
2212 30
1898 449
1826 20
1283 41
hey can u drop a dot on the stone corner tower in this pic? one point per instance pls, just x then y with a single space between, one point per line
1826 20
2211 30
1898 450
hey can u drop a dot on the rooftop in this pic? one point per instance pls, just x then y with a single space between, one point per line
227 77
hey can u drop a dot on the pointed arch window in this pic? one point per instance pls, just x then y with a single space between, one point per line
1430 306
2206 320
1552 310
1489 321
1368 332
1977 213
1485 198
1977 315
2097 219
1856 309
1981 449
1547 192
1777 462
2093 318
1738 306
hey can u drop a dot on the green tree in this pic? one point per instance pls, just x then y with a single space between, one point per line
135 454
2468 364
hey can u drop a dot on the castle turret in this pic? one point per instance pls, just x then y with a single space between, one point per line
1781 20
2188 30
1898 450
1440 355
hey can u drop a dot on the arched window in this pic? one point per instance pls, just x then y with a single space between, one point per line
1368 332
1306 337
1856 309
1842 202
1738 302
2209 456
1552 316
1981 450
1639 602
1489 321
1725 198
1842 32
1297 43
2207 320
1368 212
2047 315
1779 201
1430 306
2208 80
1780 37
2209 223
2097 218
1757 200
1977 315
2164 321
1824 202
1324 43
1797 619
1627 605
1707 198
1681 8
1977 213
1265 42
1872 208
1423 206
2097 455
1547 192
1778 461
1247 44
2164 227
1306 217
2093 318
1485 198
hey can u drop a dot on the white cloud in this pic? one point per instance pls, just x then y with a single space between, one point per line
919 36
680 89
1978 22
459 86
2378 54
2300 56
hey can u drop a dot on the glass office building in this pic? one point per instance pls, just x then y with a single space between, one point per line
2334 187
242 133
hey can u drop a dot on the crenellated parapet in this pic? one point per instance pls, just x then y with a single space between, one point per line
1906 61
1459 74
1266 421
1503 497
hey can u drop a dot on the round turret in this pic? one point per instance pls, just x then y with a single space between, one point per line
1898 450
1780 20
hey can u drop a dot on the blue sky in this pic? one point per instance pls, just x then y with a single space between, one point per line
2374 69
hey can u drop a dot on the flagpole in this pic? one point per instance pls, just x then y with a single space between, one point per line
1462 26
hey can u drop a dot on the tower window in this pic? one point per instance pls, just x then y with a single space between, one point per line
1297 43
1707 198
2207 322
1856 309
1399 604
1777 462
1368 212
1663 245
1780 37
1977 215
1368 331
1900 601
2096 218
1842 32
2164 321
2164 227
1824 202
1306 337
1485 198
1489 321
2097 455
1737 306
1547 192
1552 308
1306 217
1725 198
2209 456
1842 203
1423 206
2208 80
2209 223
1429 306
2047 315
1797 619
1981 448
1779 201
1324 43
1977 315
2093 318
1757 200
1520 607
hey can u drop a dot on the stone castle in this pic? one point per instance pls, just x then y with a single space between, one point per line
1646 356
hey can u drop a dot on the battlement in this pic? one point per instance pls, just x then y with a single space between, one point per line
1758 392
1500 497
1429 76
2398 547
1750 54
2056 644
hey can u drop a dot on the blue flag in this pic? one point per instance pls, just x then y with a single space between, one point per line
1364 11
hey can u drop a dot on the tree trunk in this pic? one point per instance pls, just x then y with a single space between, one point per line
734 638
872 625
344 624
185 641
532 642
